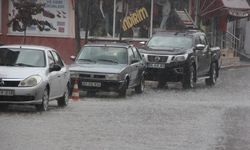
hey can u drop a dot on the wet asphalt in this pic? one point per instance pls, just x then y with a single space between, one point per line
204 118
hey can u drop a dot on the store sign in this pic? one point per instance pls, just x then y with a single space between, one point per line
238 13
59 18
135 18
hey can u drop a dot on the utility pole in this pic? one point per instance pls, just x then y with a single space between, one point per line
87 22
121 21
77 26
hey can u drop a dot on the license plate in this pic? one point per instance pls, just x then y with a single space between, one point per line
92 84
6 92
156 65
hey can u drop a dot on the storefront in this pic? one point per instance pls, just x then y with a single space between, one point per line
217 17
142 18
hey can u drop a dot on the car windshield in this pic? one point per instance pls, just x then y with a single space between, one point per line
22 57
170 42
103 54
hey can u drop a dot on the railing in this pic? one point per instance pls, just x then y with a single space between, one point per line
232 41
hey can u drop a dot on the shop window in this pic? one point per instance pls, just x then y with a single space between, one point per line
164 13
105 18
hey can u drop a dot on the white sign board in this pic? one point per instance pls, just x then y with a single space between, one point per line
59 11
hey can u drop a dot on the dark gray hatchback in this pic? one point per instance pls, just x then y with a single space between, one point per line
108 66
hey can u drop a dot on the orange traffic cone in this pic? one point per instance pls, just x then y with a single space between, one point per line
75 92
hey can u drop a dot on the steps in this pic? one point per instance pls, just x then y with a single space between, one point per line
228 57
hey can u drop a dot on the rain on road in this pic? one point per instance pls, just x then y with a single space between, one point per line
205 118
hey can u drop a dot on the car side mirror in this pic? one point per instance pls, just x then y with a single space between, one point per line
199 46
73 58
55 67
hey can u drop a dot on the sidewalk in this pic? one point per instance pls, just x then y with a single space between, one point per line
235 64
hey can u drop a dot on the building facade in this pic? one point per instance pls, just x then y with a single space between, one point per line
102 20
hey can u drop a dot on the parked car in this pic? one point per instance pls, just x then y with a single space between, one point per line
32 75
108 67
181 56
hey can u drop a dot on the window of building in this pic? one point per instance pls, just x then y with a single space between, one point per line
164 13
141 18
105 18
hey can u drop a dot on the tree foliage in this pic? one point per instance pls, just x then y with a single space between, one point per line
26 9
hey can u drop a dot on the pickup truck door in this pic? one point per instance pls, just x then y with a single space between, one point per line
203 57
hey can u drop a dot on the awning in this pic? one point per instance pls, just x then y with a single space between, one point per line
236 8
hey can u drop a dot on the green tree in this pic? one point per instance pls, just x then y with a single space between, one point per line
26 10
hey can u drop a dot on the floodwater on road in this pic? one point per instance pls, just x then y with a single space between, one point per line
204 118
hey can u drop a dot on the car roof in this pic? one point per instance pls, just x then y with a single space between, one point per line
34 47
110 44
178 32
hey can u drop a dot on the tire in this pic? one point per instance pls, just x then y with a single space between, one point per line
140 88
64 101
45 102
212 75
123 91
189 78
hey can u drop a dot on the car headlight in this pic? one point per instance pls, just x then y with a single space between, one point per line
180 58
113 77
74 75
31 81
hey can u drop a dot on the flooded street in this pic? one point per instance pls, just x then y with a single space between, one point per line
205 118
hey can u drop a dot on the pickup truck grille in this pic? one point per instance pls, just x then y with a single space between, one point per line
152 58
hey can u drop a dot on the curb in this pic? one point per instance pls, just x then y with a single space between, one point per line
235 66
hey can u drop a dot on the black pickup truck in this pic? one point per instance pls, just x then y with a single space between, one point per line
181 56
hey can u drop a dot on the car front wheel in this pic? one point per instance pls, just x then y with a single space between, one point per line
189 79
45 102
212 75
64 101
123 91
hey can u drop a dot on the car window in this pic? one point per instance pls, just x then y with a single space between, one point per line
103 54
50 59
136 53
130 54
57 58
170 42
22 57
197 40
203 40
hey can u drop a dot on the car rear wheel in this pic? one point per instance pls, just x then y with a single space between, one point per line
64 101
189 79
140 88
212 75
45 102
